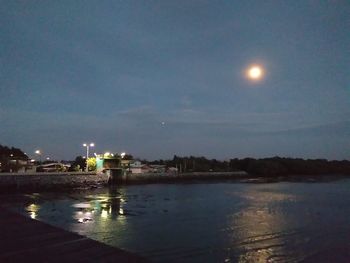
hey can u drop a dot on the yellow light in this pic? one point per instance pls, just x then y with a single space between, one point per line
32 210
255 72
104 213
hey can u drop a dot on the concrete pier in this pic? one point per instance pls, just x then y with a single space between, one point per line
23 239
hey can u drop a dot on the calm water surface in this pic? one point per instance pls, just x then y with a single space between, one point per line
207 222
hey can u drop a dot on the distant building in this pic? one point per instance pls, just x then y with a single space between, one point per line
107 161
172 170
15 164
157 168
52 167
136 167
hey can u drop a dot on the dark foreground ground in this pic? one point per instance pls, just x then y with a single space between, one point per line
26 240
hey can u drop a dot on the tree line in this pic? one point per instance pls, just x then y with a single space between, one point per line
275 166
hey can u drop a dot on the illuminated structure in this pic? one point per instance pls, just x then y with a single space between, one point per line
111 165
88 145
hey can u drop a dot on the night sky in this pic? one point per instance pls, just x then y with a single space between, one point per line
158 78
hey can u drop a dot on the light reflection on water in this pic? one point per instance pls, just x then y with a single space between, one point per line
260 227
32 210
224 222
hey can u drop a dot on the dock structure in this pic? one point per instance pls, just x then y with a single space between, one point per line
24 239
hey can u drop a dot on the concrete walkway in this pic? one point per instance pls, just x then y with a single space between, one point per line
23 239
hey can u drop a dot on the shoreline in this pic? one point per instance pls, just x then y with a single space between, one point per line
24 239
26 182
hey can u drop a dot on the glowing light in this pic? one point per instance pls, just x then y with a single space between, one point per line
32 215
122 155
121 211
81 205
37 152
104 213
32 210
255 72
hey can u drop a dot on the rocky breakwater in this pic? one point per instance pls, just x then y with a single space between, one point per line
50 181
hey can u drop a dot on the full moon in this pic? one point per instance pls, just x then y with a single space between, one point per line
255 72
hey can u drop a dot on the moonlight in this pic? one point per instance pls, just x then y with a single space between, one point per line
255 72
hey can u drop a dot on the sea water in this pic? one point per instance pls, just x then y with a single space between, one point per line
207 222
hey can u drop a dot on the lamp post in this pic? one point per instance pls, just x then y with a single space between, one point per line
38 152
88 145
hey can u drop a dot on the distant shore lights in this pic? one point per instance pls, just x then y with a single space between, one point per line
88 145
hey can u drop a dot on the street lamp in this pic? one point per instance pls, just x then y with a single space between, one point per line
38 152
88 145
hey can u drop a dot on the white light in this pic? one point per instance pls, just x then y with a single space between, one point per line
122 154
255 72
32 215
107 153
37 152
92 144
84 144
104 213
